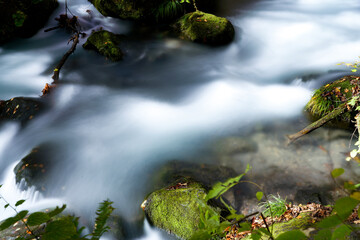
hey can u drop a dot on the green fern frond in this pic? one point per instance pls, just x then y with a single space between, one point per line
103 213
168 10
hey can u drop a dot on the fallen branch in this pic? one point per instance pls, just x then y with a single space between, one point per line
58 67
335 113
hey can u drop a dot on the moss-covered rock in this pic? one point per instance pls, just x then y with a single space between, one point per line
176 209
205 28
331 96
126 9
155 10
21 109
105 43
23 18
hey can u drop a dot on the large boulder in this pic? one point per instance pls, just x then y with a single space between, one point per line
177 209
105 43
205 28
21 109
23 18
331 96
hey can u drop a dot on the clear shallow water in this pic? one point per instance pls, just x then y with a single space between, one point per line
113 122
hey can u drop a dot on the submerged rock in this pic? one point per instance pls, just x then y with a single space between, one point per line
23 18
205 28
331 96
20 109
33 169
106 43
206 174
177 209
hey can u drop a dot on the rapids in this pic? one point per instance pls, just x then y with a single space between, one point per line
114 123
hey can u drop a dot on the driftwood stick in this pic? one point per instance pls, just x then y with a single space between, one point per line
336 112
58 67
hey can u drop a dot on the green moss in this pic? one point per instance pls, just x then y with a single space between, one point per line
23 18
106 43
332 95
125 9
177 210
205 28
302 223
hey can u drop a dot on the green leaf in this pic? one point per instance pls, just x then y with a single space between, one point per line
6 206
18 203
59 230
21 215
220 188
353 101
255 236
355 195
259 195
231 209
7 223
103 213
37 218
11 220
293 235
20 238
341 232
264 231
56 211
324 234
201 235
354 70
349 186
344 206
337 172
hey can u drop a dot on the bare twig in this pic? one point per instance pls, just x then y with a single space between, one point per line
22 219
335 113
267 227
58 67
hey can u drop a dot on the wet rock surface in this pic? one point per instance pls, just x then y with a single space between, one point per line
21 109
106 43
34 169
300 172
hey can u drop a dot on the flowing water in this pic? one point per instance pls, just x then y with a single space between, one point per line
113 122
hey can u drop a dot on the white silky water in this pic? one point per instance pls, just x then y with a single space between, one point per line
115 122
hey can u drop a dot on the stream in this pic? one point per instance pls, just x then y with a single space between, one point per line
113 124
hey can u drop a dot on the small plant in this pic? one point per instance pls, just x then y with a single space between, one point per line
188 1
355 66
169 9
275 206
19 18
48 226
